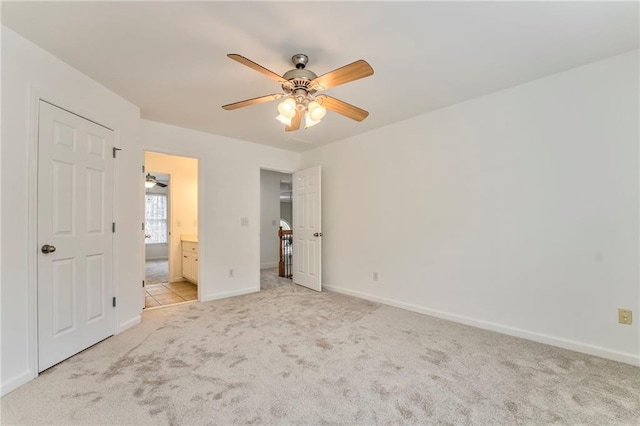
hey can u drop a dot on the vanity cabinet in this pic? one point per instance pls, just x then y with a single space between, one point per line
190 261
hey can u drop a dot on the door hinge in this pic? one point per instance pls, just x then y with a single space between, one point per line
142 283
113 227
114 302
143 226
116 150
143 168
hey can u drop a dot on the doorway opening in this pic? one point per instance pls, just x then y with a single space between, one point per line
276 223
171 230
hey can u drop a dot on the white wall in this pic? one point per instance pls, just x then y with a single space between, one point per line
270 212
516 211
229 189
286 212
156 251
183 199
24 67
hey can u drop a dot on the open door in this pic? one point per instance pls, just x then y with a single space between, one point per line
307 233
76 307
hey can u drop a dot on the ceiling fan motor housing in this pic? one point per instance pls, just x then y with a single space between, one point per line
299 85
300 78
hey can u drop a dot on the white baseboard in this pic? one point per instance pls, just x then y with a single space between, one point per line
13 384
224 295
268 265
130 323
27 376
572 345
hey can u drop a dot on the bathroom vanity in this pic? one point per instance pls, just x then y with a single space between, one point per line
190 257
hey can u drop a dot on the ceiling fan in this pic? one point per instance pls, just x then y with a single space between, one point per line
151 181
300 86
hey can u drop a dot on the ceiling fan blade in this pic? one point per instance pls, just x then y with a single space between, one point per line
161 185
354 71
256 67
253 101
348 110
295 122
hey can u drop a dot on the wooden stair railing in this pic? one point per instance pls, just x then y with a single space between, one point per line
286 245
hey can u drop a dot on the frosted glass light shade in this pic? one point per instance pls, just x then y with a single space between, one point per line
284 120
308 121
316 111
149 184
287 108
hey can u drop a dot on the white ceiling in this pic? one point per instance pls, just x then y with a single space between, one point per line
169 58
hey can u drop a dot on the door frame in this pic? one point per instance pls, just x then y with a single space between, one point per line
259 204
37 95
169 234
199 213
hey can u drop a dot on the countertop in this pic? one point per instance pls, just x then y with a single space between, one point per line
192 238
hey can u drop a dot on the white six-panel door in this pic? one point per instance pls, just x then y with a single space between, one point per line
75 198
307 233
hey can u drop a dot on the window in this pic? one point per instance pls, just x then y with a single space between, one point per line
285 225
155 224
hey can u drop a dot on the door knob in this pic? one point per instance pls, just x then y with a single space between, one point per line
48 249
318 234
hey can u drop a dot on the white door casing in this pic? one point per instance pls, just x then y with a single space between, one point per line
307 232
75 210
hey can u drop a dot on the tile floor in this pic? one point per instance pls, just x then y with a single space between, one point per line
169 293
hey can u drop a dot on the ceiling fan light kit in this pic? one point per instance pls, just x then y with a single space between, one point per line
300 86
308 121
316 111
284 120
287 108
151 181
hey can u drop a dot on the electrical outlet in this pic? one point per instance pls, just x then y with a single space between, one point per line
273 222
375 276
244 221
230 273
624 316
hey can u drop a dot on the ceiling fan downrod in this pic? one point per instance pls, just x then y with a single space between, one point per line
300 60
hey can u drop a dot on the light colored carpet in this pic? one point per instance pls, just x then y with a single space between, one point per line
156 271
288 355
